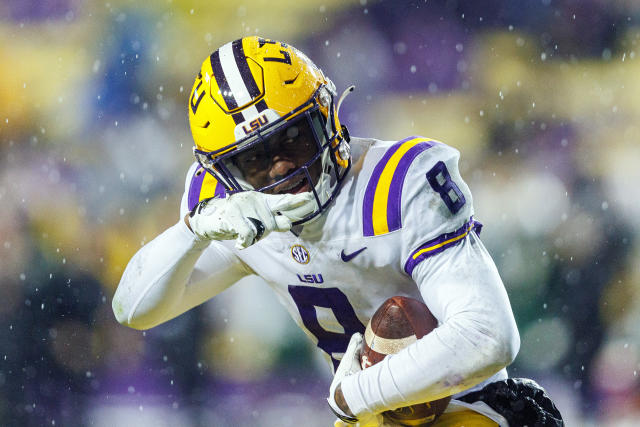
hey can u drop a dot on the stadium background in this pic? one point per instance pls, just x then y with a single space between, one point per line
542 97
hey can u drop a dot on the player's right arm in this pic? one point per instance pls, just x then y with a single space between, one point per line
173 273
431 208
170 275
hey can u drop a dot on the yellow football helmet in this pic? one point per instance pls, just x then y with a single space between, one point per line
264 117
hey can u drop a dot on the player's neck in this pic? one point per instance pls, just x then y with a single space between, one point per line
313 229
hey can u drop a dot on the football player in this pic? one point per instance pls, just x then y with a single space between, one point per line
281 190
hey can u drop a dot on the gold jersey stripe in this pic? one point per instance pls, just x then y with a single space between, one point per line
446 242
380 200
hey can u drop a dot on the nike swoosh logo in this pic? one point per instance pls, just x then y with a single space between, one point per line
349 257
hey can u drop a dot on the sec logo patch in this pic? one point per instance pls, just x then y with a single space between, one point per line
300 254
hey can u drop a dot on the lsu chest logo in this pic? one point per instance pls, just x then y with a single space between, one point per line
300 254
310 278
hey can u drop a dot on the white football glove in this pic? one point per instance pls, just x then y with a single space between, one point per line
349 365
248 216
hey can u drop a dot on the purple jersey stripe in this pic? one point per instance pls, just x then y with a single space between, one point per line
195 187
367 204
439 244
477 227
220 191
394 202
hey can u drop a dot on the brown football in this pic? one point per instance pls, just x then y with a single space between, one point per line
397 323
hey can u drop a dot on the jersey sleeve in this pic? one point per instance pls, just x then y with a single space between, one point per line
199 185
476 338
426 209
429 201
415 192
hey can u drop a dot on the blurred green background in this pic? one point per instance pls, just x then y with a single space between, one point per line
541 97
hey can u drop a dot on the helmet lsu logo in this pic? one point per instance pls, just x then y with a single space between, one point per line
300 254
255 124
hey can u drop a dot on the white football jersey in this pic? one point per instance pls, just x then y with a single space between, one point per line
402 202
402 224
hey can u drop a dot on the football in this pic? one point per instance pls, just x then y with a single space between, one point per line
399 322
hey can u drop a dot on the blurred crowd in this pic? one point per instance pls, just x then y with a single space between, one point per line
542 98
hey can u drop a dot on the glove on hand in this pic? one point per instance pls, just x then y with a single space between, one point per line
248 216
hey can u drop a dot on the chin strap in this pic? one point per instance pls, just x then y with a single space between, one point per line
346 92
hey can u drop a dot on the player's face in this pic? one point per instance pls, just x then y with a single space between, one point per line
280 156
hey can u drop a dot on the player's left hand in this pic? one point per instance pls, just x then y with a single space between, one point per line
349 365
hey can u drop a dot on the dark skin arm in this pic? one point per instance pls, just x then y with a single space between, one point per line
339 398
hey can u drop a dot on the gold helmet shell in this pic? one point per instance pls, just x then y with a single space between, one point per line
241 80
